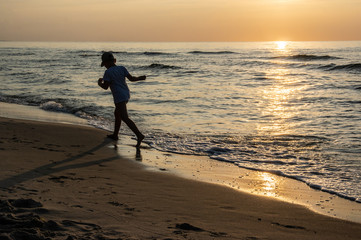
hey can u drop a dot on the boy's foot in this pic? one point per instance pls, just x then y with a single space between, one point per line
111 136
139 141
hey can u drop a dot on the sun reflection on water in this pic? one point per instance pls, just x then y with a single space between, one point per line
268 184
281 45
277 108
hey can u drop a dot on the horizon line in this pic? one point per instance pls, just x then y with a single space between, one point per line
78 41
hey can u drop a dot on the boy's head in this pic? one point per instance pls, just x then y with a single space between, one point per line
107 58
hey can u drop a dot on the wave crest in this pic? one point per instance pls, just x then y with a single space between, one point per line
307 57
155 53
162 66
347 67
352 67
212 52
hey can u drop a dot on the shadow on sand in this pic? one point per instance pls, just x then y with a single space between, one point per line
56 167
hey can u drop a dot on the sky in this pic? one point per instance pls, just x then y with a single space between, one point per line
180 20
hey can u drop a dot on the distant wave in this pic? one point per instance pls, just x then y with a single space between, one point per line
155 53
148 53
346 67
355 66
211 52
89 55
85 53
21 54
117 52
162 66
307 57
4 68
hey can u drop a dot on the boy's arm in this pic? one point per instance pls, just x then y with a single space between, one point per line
103 84
134 79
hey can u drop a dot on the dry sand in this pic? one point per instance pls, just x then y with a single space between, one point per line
69 182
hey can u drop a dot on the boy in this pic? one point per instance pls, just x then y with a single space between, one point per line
114 77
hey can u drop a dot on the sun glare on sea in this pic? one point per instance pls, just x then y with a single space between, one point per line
281 45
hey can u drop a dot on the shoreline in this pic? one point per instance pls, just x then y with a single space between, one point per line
205 169
69 181
259 183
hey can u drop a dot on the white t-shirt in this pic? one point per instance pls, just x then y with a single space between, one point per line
116 77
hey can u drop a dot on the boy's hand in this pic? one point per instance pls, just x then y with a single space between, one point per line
102 84
142 77
100 81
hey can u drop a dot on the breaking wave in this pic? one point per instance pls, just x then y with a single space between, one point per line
53 106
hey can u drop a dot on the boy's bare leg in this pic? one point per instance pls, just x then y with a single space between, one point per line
118 121
139 140
121 113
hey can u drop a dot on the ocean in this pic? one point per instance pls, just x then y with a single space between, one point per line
288 108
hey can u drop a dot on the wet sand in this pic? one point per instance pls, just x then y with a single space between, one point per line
69 182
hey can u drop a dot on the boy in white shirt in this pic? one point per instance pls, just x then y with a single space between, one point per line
114 77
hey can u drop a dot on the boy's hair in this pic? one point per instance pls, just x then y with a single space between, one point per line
106 57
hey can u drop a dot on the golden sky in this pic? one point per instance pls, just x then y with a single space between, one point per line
180 20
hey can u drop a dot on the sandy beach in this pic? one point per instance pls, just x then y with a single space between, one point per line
62 181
